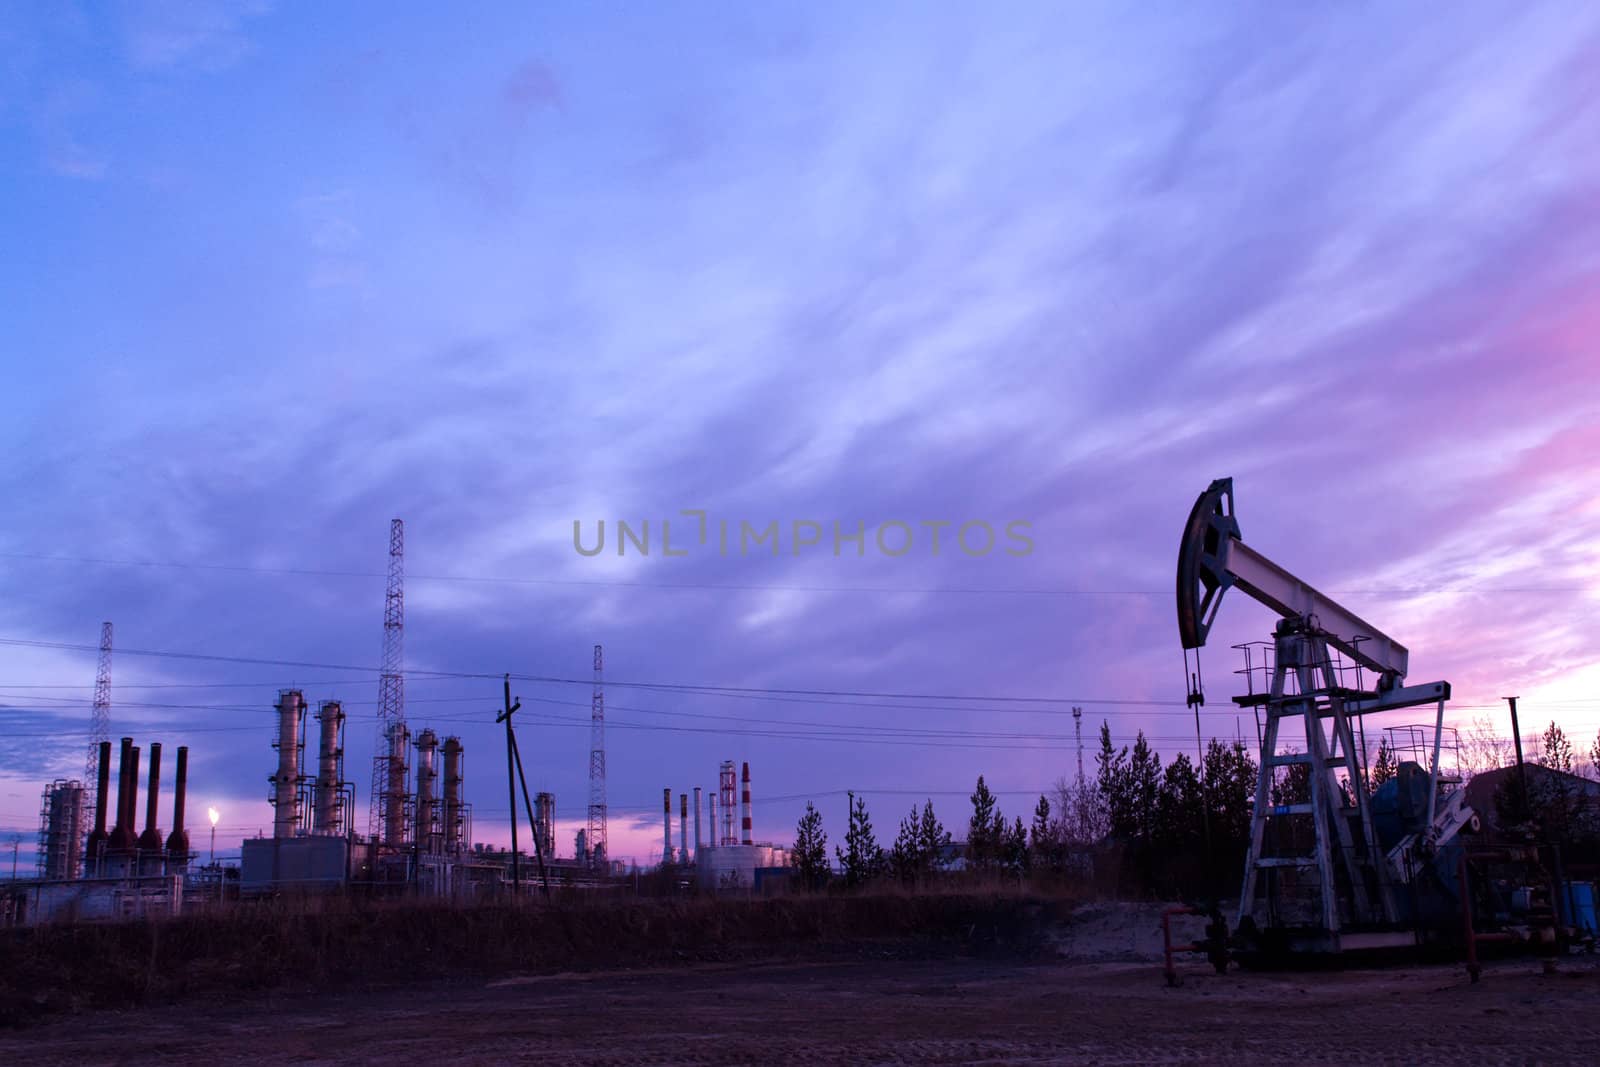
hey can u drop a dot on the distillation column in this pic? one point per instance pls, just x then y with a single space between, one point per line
286 783
452 794
327 808
427 788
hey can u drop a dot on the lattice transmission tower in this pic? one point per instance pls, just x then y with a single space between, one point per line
598 850
99 718
391 689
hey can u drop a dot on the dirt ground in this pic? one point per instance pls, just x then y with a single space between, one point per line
878 1012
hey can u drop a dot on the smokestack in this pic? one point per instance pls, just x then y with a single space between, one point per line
452 794
178 840
696 822
713 820
683 827
286 783
122 838
150 840
747 838
98 836
666 825
727 785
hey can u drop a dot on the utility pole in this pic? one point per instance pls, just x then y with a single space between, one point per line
511 789
1522 771
514 775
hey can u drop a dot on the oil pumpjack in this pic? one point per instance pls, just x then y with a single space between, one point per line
1318 874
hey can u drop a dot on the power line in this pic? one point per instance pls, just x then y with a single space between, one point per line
310 572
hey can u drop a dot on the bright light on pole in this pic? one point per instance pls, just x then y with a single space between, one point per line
214 815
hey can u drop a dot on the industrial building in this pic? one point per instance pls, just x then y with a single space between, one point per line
115 873
722 861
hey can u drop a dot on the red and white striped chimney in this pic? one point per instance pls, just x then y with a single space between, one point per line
747 838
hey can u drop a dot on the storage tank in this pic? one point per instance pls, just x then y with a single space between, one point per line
286 782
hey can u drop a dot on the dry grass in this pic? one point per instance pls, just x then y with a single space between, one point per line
316 944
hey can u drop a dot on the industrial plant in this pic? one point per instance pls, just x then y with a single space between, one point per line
419 834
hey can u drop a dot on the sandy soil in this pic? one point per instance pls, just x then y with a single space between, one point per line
878 1011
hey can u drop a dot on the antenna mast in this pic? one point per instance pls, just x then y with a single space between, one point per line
391 687
598 850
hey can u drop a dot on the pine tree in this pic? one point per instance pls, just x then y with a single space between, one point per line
1144 787
983 844
1556 752
1180 805
861 859
1046 846
810 854
932 838
906 858
1383 766
1594 756
1112 781
1016 849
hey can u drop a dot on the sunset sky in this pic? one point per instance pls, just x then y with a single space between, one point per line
275 274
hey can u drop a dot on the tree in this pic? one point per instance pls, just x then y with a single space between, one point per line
1481 748
861 859
1113 781
1383 765
1081 818
933 838
1016 849
985 830
906 859
1594 757
1556 752
1180 805
1294 787
810 853
1046 841
1144 787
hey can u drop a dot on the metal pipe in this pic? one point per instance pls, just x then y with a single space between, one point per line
748 839
666 825
683 827
696 822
